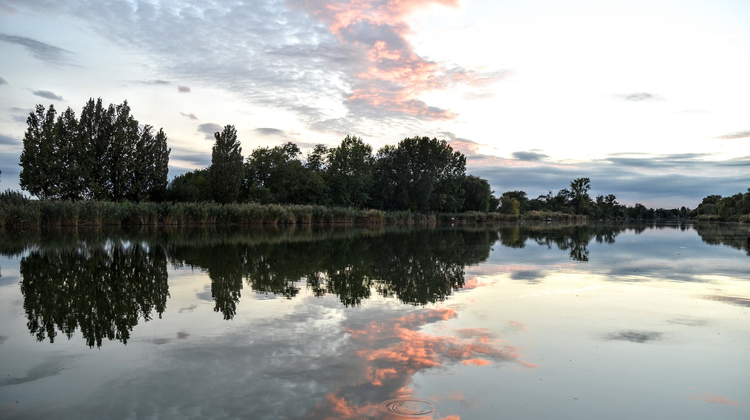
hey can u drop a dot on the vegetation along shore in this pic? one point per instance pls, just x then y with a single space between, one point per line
105 168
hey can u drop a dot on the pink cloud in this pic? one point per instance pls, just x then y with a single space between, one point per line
712 398
391 76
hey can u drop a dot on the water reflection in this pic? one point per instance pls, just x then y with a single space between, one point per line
101 290
103 283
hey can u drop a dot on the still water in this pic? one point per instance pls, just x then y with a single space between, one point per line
509 322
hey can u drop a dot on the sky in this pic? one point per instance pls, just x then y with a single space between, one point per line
648 99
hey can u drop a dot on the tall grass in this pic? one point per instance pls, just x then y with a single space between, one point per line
54 213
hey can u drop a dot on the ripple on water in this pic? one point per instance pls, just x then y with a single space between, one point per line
408 407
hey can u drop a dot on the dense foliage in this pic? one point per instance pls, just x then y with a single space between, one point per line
732 208
419 174
104 155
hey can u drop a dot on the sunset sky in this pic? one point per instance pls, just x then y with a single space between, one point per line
649 99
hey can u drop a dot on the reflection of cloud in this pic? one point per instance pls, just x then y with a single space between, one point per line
729 299
689 322
47 95
712 398
635 336
40 371
3 82
182 335
40 50
476 362
394 350
530 276
159 341
2 339
736 135
188 309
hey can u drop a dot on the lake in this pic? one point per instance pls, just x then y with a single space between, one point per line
530 321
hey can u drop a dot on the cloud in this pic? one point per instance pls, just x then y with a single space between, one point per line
191 115
635 336
736 135
2 339
183 89
666 181
209 129
9 141
38 49
529 156
3 82
640 96
335 64
390 76
48 95
157 82
712 398
182 335
265 131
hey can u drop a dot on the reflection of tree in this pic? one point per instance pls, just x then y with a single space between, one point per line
415 266
572 238
101 290
225 271
734 235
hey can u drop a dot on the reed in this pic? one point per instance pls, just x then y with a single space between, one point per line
60 213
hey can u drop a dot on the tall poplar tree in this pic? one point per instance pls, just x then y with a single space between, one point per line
96 127
37 157
227 170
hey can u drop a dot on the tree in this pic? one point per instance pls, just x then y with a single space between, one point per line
276 175
191 186
317 159
477 194
121 152
579 195
96 128
419 174
227 170
37 157
350 172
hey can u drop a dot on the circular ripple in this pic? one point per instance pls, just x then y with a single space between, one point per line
408 407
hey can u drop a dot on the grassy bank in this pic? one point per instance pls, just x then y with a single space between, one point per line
47 213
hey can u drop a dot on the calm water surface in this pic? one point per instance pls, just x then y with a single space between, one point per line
510 322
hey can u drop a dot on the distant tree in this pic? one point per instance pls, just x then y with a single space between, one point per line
227 170
579 195
193 186
520 196
317 159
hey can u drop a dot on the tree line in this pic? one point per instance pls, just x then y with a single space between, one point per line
419 174
577 201
103 155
